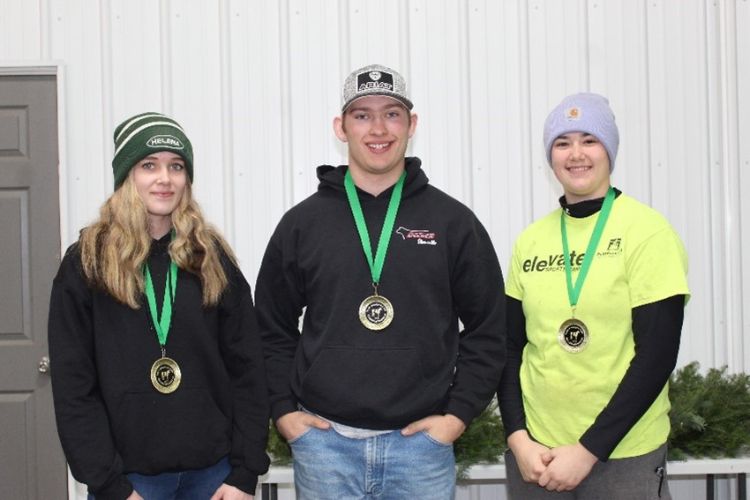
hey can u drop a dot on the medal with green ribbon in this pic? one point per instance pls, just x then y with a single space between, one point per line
165 372
375 312
573 334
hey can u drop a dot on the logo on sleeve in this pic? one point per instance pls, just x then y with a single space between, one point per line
421 236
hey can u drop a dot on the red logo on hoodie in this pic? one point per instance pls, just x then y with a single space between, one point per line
422 236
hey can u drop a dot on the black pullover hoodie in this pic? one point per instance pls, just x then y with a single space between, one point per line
110 418
440 268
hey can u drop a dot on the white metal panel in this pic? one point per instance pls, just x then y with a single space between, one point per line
438 76
315 33
374 33
136 61
75 38
256 143
678 132
723 109
741 213
688 150
498 124
20 31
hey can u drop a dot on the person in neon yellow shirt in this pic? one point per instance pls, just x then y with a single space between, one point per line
595 293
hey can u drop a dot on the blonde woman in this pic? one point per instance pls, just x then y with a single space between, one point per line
158 376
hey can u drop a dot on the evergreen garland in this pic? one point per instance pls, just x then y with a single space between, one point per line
710 414
710 417
278 448
482 443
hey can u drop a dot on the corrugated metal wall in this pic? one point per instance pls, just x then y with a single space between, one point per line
257 83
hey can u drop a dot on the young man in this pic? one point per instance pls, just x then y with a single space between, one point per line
381 382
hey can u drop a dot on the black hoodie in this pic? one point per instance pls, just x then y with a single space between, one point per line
440 268
112 421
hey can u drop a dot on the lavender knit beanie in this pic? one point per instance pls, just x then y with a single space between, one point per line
585 112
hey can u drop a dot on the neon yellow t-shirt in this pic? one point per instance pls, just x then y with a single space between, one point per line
639 260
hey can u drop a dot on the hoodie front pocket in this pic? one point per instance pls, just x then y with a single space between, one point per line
357 384
157 429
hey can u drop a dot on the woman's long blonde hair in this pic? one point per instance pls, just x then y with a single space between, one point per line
115 247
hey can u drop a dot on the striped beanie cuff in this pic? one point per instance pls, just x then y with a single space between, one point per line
144 134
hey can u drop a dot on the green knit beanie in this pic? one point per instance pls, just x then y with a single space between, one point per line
147 133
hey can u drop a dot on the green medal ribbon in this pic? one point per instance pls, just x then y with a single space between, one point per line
376 264
575 291
162 320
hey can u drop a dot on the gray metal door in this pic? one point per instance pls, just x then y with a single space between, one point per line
32 465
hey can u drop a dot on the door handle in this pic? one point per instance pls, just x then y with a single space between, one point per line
44 365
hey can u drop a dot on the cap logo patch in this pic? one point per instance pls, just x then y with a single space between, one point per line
573 113
165 141
374 80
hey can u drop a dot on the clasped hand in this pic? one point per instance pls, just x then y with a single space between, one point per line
555 469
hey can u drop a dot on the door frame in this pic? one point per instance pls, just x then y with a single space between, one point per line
56 69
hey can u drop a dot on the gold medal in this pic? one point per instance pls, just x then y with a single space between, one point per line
573 335
165 372
165 375
376 312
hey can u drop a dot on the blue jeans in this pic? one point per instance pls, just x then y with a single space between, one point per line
328 465
186 485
